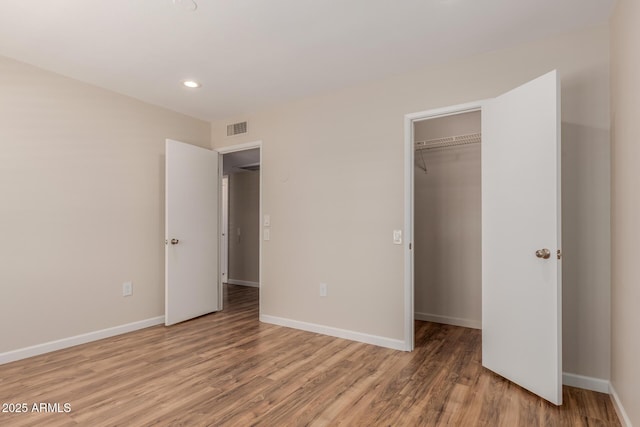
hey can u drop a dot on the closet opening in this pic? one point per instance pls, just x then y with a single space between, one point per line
485 238
447 205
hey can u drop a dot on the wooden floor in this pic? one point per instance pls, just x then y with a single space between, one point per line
228 369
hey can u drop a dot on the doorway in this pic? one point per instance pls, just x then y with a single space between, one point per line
447 228
521 233
412 157
193 224
240 228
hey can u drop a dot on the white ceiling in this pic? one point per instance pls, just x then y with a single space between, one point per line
249 54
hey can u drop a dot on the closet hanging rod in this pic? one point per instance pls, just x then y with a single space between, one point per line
449 141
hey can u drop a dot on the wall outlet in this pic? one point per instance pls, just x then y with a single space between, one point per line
127 289
323 289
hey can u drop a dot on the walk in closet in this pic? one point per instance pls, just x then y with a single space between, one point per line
447 220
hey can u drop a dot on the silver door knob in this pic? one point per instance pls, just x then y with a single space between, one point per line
543 253
176 241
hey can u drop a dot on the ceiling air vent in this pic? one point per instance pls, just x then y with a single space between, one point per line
236 128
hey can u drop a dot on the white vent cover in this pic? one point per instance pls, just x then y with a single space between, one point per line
236 128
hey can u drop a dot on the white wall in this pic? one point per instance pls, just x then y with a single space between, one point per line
333 173
447 232
82 201
244 215
625 131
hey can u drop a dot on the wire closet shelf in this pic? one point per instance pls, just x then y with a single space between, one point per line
449 141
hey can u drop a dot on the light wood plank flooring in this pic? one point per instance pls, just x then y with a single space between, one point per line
228 369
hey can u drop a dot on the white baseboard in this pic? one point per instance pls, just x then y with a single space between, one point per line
587 383
335 332
455 321
617 404
243 283
35 350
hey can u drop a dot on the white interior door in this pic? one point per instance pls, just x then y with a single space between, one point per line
521 293
191 253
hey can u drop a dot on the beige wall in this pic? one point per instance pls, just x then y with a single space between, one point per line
81 181
82 185
333 173
447 232
244 212
625 131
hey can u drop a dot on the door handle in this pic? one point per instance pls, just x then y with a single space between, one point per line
543 253
176 241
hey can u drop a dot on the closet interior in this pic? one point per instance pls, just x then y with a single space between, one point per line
447 220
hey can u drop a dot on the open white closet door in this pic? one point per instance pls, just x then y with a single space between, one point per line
521 267
191 220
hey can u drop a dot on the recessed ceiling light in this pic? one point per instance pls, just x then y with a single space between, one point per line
191 84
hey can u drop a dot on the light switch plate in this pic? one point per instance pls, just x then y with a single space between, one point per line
266 235
397 237
323 289
267 221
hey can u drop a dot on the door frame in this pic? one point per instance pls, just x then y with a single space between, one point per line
409 171
224 223
232 149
